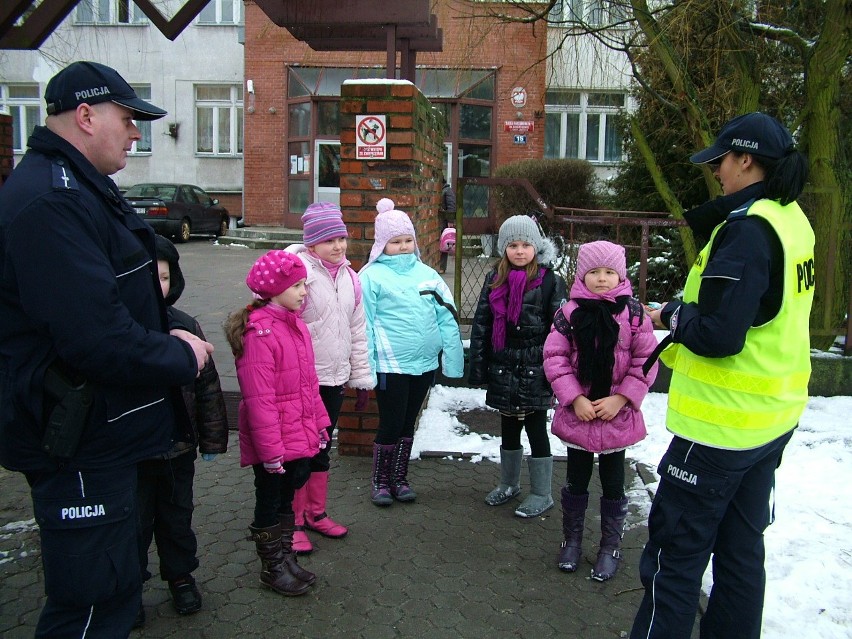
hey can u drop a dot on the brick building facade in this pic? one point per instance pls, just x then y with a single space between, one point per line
293 119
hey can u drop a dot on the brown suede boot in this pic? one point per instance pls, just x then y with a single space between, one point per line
275 573
288 525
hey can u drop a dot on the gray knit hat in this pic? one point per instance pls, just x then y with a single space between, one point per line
522 228
518 228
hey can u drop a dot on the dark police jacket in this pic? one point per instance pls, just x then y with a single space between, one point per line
79 287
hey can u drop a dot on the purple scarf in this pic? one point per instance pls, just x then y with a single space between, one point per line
506 303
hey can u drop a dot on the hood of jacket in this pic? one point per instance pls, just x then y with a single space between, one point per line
167 251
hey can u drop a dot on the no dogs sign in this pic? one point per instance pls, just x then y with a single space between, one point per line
370 137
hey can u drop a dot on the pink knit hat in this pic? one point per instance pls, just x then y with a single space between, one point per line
274 273
322 221
390 223
601 253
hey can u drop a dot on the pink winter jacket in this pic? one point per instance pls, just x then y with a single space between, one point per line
337 324
560 367
281 413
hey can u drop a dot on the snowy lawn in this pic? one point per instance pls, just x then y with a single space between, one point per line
808 548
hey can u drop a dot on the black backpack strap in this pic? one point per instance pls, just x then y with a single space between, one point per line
636 312
562 323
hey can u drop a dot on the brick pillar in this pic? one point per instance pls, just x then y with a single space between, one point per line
7 158
409 176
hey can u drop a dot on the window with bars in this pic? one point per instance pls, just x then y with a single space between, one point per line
109 12
583 126
142 146
225 12
23 103
219 119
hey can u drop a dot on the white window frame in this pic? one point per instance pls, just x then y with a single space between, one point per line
595 13
144 126
26 113
211 14
585 110
108 12
232 109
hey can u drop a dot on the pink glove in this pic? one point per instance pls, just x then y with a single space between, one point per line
362 396
274 466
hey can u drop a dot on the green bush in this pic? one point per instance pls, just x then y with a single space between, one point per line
559 183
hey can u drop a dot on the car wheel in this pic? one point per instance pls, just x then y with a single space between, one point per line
223 227
185 230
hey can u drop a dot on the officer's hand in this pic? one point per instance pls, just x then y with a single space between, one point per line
208 456
200 348
655 315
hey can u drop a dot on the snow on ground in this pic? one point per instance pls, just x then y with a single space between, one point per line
808 548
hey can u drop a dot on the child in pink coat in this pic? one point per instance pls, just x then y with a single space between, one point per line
334 314
282 419
593 359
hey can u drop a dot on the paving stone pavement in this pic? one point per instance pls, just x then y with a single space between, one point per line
445 566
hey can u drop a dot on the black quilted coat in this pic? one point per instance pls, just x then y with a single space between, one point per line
515 375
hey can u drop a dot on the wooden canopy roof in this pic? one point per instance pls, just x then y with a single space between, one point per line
406 26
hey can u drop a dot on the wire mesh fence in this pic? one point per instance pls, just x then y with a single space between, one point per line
655 259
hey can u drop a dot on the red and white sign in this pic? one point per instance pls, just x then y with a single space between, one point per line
370 137
519 126
519 97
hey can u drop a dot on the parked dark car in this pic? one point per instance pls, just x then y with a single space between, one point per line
178 210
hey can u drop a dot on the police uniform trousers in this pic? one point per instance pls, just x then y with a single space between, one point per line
88 526
715 502
165 512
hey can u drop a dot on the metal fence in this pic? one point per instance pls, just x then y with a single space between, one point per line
657 264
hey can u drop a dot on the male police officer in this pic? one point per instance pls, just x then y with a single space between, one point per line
88 370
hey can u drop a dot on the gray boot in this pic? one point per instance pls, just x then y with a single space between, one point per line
540 498
510 476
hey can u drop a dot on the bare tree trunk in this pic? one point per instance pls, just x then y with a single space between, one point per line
831 213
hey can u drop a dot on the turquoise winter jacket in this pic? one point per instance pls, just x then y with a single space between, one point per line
411 318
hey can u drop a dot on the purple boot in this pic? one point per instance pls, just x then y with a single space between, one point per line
613 514
399 487
573 520
382 471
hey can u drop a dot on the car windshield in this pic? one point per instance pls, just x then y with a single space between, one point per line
162 191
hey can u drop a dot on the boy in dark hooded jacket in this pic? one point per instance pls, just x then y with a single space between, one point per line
165 483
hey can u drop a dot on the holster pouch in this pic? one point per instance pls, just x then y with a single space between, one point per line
71 403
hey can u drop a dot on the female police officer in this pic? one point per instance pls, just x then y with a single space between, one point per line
740 364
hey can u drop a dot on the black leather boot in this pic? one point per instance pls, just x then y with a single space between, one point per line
275 573
613 514
573 520
288 526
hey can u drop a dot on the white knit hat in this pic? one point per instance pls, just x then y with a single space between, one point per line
390 223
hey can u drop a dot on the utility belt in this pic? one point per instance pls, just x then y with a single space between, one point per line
68 403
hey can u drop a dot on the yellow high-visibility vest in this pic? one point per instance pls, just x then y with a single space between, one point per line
749 399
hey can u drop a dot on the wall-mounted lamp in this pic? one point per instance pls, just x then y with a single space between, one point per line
250 90
173 129
520 115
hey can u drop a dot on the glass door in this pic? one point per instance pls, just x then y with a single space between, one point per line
327 175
